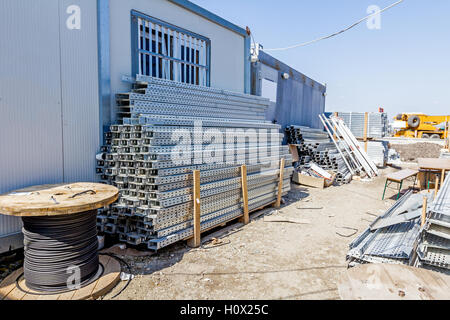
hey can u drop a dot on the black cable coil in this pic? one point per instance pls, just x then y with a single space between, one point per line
54 245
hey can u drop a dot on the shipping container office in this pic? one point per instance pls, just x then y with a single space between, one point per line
63 61
295 98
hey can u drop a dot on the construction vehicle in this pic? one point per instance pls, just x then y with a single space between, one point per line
416 125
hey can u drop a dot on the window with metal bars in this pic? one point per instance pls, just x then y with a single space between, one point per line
168 52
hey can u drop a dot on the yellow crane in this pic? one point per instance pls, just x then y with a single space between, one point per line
416 125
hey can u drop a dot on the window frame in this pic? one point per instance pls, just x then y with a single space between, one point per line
136 51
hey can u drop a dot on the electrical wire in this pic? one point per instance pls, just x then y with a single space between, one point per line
129 272
336 33
56 245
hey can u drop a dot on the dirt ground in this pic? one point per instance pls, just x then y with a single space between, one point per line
410 152
267 260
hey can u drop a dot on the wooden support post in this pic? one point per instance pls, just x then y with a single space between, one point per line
280 184
446 135
366 122
436 186
442 177
195 242
246 218
424 211
334 135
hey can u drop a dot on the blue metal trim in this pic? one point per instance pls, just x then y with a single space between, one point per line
104 71
256 82
134 45
208 63
247 62
210 16
270 61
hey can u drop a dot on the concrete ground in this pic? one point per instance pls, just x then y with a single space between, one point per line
267 260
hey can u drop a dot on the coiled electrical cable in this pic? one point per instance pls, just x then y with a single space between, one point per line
59 250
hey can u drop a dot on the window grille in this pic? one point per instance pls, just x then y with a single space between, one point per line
169 52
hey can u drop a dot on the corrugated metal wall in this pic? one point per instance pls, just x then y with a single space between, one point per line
79 81
49 128
299 99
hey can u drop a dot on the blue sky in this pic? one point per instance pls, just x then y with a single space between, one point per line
403 67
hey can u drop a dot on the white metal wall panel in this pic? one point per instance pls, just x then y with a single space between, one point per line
30 98
79 81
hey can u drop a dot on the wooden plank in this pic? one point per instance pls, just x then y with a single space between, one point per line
9 283
280 184
66 295
401 175
60 199
366 122
195 242
393 282
294 152
110 278
442 177
436 186
15 294
424 211
434 164
245 219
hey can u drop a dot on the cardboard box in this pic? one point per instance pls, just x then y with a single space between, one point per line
314 182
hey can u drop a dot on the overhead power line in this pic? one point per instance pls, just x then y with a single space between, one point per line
336 33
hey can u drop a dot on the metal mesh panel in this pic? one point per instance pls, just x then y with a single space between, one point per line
168 52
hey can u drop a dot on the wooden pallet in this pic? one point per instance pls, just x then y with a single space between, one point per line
195 241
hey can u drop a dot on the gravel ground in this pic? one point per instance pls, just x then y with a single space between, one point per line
410 152
267 260
263 260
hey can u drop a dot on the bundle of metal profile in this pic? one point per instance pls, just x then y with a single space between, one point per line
314 145
355 158
164 97
445 154
141 158
377 123
155 203
391 237
343 174
300 134
377 151
433 249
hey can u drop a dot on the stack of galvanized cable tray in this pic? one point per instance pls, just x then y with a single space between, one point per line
392 236
433 250
169 129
